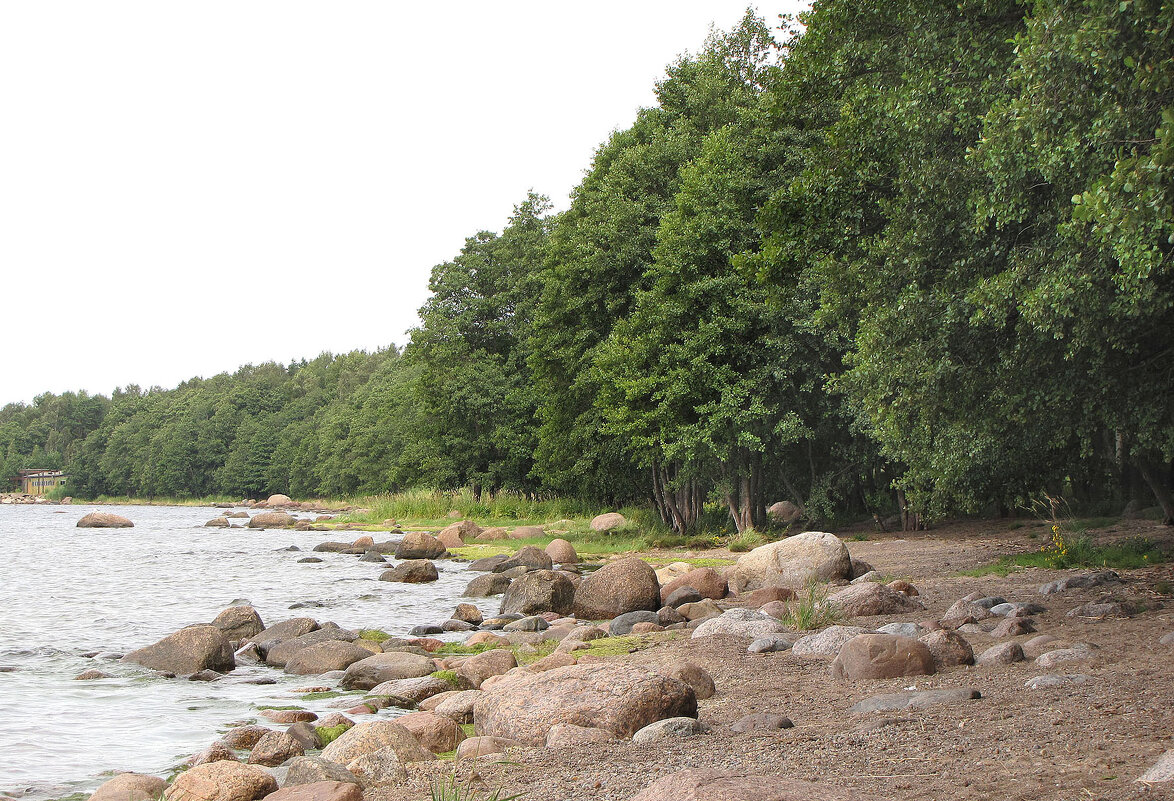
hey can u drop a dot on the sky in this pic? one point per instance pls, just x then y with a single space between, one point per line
188 187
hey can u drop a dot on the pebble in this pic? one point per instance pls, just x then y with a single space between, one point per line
770 644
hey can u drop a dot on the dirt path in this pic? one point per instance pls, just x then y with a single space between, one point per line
1088 741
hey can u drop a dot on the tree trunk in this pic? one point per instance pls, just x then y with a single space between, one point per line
1158 477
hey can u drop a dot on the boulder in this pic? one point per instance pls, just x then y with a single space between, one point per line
827 642
411 691
411 571
187 651
285 630
627 585
692 674
419 545
437 733
130 787
530 557
306 735
458 706
474 747
221 781
793 562
319 791
275 748
608 521
311 769
280 654
882 656
379 768
705 580
870 598
892 702
488 563
486 585
783 512
1161 772
213 753
480 667
278 500
493 534
708 784
527 532
1005 653
739 623
468 613
539 591
563 735
367 738
562 552
457 534
239 622
949 648
619 698
104 520
667 729
623 624
373 670
964 610
245 737
762 597
324 657
272 520
217 522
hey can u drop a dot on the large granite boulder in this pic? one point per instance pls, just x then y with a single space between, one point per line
539 591
486 585
608 521
530 557
324 657
476 669
187 651
882 656
275 748
104 520
621 699
221 781
793 562
783 512
278 499
437 733
367 738
705 580
239 622
411 571
562 552
739 623
130 787
319 791
272 520
627 585
366 673
871 598
419 545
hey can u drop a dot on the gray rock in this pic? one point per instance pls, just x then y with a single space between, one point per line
827 642
187 651
1167 639
425 630
487 564
1005 653
990 601
739 623
667 729
532 623
411 571
1083 581
902 629
890 702
770 644
529 557
1161 772
1079 653
623 624
681 596
310 769
373 556
539 591
1047 682
486 585
1100 611
374 670
456 625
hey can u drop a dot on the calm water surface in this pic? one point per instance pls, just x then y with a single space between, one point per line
66 591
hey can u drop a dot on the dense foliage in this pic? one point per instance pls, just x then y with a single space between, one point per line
898 256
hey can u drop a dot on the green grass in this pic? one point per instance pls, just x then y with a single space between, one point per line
617 646
707 561
322 696
448 789
374 635
811 609
328 734
1128 554
746 541
430 508
449 676
280 708
460 649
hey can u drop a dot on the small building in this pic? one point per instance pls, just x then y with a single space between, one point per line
41 482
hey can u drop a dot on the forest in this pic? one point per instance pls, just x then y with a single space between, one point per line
886 257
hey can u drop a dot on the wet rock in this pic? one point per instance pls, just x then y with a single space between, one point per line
130 787
539 591
332 547
1005 653
217 522
739 623
891 702
882 656
324 657
279 655
288 715
275 748
419 545
243 738
412 691
373 556
619 698
285 630
374 670
792 562
187 651
239 622
308 560
411 571
761 721
91 674
487 585
206 675
221 781
272 520
104 520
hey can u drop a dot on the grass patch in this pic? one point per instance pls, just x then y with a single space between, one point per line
616 646
460 649
859 538
748 540
1001 569
449 676
322 696
469 729
281 708
707 561
1086 523
811 609
328 734
539 650
1128 554
374 635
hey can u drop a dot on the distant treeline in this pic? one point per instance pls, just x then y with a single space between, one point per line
891 255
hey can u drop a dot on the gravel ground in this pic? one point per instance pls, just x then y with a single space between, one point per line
1089 741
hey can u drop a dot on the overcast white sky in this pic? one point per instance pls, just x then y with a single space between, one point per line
188 187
